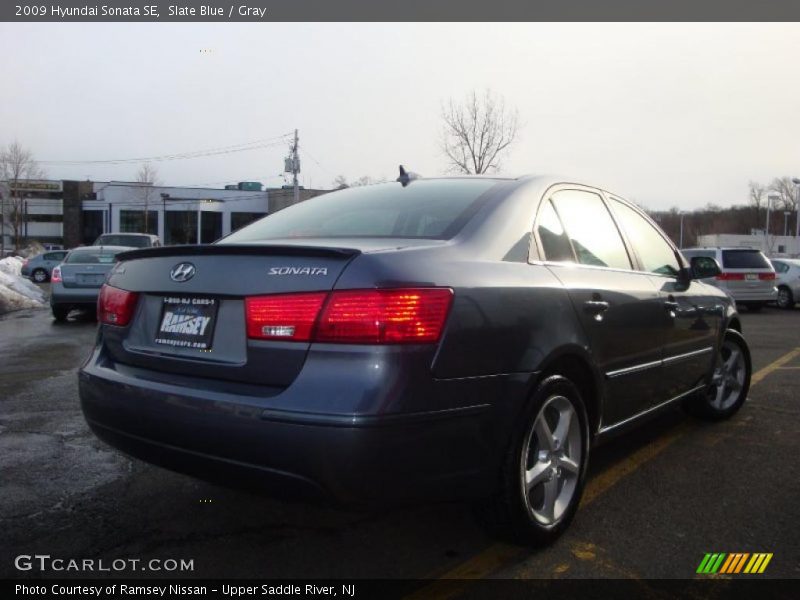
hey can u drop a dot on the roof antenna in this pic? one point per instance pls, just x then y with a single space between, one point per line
407 177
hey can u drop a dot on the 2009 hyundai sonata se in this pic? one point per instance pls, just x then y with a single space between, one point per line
451 338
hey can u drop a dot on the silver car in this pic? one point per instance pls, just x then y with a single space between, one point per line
39 267
787 271
76 282
747 276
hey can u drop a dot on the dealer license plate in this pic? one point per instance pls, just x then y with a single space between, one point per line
187 322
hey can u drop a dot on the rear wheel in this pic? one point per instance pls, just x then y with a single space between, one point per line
60 313
545 468
729 383
785 298
39 275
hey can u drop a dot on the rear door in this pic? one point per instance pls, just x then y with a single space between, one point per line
620 309
52 259
691 311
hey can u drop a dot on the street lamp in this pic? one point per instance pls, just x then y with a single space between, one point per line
680 242
770 199
796 182
786 214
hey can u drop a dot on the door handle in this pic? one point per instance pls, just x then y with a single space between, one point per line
596 306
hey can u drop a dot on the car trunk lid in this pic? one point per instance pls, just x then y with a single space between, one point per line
190 316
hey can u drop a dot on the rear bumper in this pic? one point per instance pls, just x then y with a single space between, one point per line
61 296
754 296
356 459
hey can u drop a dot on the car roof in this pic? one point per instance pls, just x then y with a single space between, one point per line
129 234
101 247
721 248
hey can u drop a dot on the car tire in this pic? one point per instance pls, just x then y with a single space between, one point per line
730 382
39 276
537 513
785 298
60 313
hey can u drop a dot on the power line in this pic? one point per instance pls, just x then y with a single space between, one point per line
254 145
307 153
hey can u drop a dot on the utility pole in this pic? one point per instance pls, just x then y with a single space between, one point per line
796 183
767 246
295 168
2 225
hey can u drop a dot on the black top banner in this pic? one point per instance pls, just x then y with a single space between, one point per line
400 10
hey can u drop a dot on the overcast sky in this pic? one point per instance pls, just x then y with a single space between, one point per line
664 114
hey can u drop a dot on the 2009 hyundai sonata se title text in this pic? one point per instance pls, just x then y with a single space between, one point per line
460 338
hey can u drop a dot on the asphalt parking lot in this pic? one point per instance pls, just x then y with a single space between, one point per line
656 502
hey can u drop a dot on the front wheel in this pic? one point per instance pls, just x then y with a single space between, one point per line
729 383
785 298
545 468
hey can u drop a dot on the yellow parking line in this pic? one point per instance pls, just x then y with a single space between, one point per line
774 366
499 555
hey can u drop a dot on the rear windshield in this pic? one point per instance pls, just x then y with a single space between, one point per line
92 256
435 209
744 259
134 241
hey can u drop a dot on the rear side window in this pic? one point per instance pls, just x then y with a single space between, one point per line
780 267
591 230
744 259
655 253
435 209
555 242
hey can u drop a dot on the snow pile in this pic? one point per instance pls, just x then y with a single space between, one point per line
15 291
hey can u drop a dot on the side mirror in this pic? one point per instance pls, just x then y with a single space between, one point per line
704 267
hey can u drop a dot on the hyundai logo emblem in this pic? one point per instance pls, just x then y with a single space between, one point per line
182 272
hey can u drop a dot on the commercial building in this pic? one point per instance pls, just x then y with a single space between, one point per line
784 246
76 212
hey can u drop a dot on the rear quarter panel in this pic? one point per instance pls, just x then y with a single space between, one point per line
507 317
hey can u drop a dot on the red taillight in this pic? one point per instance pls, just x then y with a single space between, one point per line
288 317
115 306
731 276
25 262
384 316
350 317
766 276
55 276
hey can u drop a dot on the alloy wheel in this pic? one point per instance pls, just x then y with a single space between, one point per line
784 298
729 377
551 460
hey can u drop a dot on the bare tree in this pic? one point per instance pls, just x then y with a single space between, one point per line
341 181
758 198
477 132
17 165
784 189
147 177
